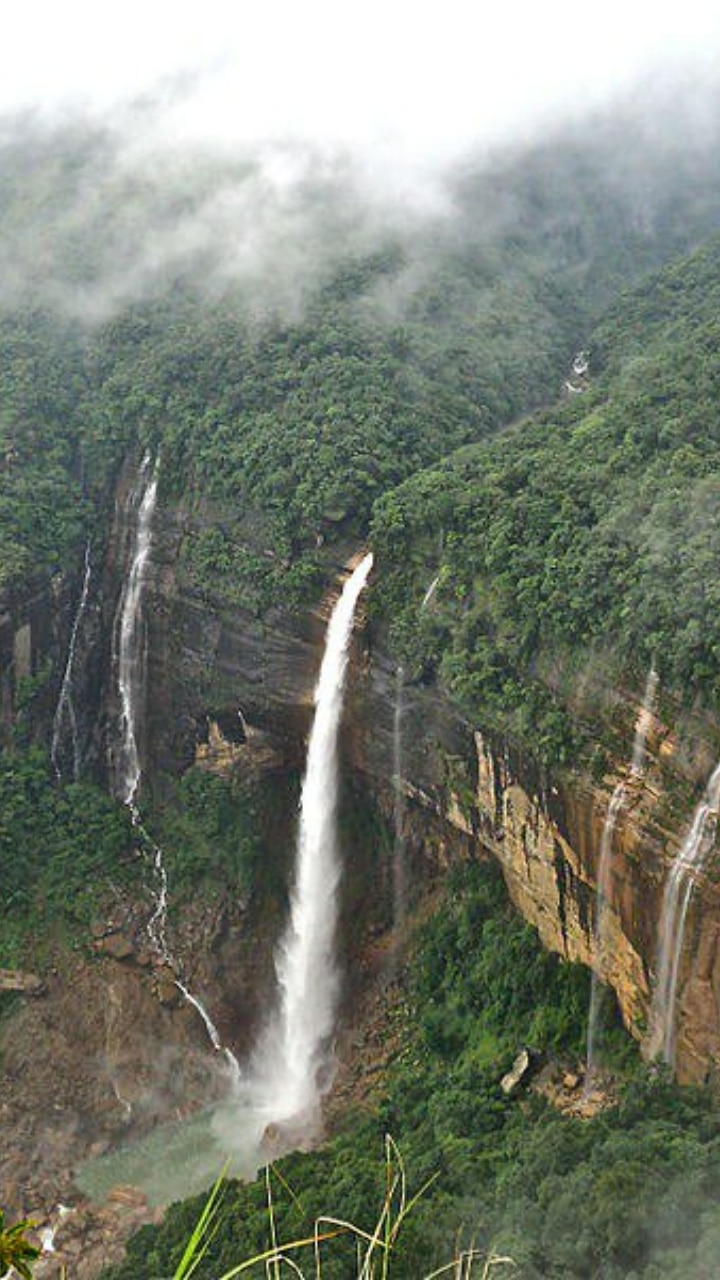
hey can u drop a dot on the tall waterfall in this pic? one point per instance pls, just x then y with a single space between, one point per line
65 715
676 901
130 655
295 1050
604 874
129 662
130 666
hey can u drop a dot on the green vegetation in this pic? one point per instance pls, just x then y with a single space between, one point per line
630 1193
211 832
16 1251
42 509
59 848
580 542
586 536
291 413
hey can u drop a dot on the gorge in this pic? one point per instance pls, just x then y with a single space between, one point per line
390 602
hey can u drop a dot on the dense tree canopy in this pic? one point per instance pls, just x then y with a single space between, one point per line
587 534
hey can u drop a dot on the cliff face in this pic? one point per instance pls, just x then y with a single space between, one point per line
39 618
234 692
547 837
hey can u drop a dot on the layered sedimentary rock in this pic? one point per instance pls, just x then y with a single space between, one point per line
233 691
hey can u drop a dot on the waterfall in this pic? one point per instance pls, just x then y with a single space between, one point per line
294 1052
430 592
65 710
129 662
604 873
130 666
130 654
676 901
399 867
642 725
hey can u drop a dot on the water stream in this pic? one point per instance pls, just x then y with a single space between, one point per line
679 886
65 716
605 872
277 1101
130 664
129 656
430 592
294 1060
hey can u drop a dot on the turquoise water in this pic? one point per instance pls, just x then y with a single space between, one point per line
182 1158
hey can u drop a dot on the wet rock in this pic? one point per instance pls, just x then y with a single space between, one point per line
520 1072
116 945
167 992
127 1197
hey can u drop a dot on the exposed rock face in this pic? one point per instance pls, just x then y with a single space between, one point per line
547 835
234 692
112 1048
27 984
547 845
35 624
548 841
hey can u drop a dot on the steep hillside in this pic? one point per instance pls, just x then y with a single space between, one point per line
533 564
578 547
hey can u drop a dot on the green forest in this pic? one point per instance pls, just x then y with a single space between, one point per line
538 543
631 1193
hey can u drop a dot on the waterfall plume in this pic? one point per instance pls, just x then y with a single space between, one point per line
295 1050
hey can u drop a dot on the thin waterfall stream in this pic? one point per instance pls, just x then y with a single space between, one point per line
605 869
430 592
686 868
65 714
399 862
130 648
130 663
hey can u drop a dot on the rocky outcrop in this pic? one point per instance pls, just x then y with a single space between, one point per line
27 984
546 835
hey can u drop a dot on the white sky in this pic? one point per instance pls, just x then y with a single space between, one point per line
400 78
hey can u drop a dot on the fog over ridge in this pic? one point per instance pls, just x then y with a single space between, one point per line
102 203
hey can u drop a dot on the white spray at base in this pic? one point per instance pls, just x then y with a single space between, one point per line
65 710
676 900
130 664
604 873
294 1052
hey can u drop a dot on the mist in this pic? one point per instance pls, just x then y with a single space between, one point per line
254 152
